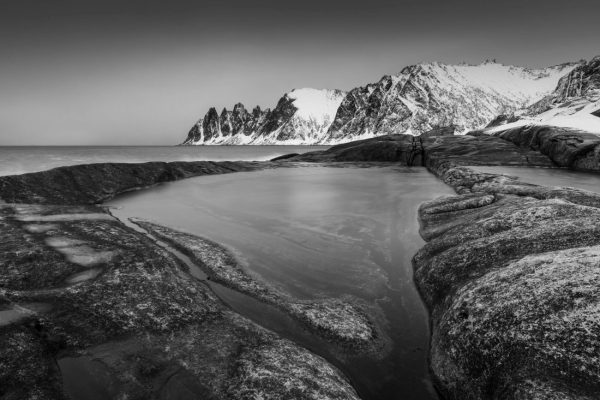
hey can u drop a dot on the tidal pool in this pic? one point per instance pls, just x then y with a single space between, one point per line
548 176
316 232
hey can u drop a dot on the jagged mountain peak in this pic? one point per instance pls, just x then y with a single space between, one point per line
419 98
301 116
429 95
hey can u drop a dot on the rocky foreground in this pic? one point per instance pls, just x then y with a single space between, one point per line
511 271
90 307
510 274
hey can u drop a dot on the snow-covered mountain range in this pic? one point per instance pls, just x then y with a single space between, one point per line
575 104
302 116
420 98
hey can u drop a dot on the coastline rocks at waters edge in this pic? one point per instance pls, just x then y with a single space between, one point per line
416 151
510 274
510 271
511 282
94 183
89 305
343 322
566 147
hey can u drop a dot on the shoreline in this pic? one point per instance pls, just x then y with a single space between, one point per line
468 239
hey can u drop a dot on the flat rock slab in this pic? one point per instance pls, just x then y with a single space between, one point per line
343 322
94 183
566 147
135 324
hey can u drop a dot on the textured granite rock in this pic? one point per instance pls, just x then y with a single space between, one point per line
510 275
510 271
94 183
566 147
429 151
342 321
405 149
142 327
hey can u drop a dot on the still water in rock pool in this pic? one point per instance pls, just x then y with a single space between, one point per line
548 176
318 232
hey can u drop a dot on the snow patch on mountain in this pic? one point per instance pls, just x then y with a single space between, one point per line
418 99
316 105
574 104
577 115
432 95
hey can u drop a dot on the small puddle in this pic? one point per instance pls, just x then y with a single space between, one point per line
547 176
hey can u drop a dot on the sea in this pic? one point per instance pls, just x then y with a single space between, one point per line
22 159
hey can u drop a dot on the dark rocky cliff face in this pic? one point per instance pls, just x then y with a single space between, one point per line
417 100
283 112
239 122
286 123
211 123
229 123
425 96
582 82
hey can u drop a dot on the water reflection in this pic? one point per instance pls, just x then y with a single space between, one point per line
320 232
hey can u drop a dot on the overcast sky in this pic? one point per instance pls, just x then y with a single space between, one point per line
88 72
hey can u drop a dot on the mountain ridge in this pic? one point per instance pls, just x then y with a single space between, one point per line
574 104
420 98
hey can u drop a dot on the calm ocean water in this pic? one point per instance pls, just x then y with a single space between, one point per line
19 160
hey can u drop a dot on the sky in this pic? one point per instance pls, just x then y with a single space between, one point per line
141 72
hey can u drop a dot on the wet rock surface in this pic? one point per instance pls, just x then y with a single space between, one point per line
141 327
405 149
90 308
510 270
425 151
343 322
509 274
94 183
566 147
